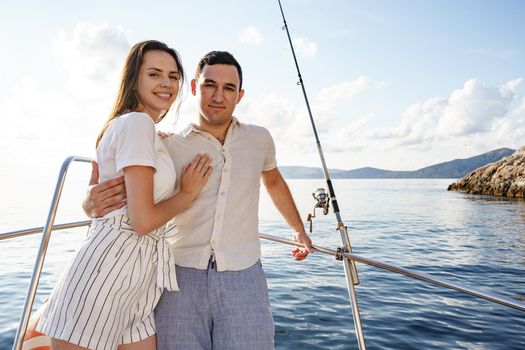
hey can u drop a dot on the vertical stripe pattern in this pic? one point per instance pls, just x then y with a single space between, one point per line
107 294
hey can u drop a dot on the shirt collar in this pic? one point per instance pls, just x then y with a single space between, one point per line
192 127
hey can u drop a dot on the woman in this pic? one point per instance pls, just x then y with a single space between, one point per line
107 296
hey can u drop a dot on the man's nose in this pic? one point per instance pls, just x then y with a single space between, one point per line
218 95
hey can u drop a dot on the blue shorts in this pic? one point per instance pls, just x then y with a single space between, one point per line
216 310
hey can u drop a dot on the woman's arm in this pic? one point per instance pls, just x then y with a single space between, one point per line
144 214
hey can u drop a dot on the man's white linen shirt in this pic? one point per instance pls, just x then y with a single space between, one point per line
224 218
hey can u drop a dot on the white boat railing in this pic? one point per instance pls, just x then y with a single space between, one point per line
339 253
37 270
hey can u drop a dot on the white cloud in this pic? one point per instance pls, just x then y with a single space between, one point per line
284 117
250 36
289 122
36 125
92 57
417 127
286 120
497 114
478 117
348 89
475 107
305 47
510 129
351 137
331 100
42 124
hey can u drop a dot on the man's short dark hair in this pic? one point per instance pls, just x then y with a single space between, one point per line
218 57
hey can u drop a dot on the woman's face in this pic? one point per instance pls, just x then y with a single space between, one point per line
158 83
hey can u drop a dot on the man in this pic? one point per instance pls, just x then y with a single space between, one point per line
223 301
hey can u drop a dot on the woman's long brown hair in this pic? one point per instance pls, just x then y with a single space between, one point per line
127 99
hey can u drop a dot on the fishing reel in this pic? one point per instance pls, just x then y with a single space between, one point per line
322 201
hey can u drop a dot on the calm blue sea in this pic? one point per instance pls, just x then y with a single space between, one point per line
472 240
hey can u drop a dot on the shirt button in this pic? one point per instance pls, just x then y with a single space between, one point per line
222 193
224 170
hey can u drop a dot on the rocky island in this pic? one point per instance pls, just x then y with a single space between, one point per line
505 177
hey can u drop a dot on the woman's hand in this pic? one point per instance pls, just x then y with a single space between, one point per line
195 175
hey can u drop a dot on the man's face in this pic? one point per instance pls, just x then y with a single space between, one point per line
217 90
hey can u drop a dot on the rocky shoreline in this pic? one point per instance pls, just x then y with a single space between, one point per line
505 177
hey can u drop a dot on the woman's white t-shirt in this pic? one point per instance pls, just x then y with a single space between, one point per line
131 139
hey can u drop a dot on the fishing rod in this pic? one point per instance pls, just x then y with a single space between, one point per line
352 278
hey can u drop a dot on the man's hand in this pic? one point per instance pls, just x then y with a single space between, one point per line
282 198
164 135
300 253
105 197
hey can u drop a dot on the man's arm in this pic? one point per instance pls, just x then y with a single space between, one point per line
282 198
104 197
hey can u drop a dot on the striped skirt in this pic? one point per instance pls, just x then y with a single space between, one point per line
107 295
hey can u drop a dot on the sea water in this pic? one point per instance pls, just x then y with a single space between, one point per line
475 241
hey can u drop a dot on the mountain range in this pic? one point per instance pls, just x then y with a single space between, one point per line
448 170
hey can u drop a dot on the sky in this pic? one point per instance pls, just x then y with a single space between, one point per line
396 85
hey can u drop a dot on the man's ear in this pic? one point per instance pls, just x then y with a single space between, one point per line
241 94
193 87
